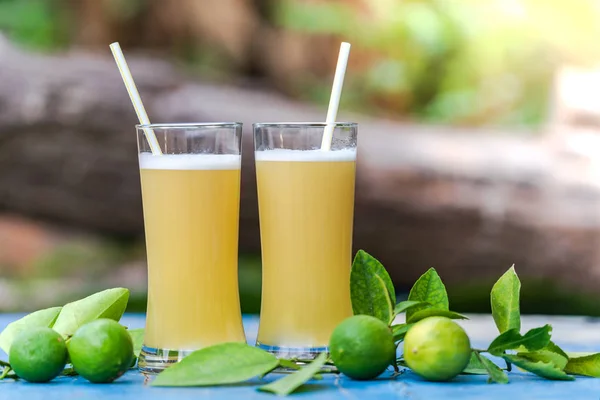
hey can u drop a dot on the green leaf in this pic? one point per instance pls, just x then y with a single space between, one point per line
505 301
289 383
428 288
475 366
285 363
577 354
400 330
371 288
218 365
588 365
549 354
434 312
137 337
110 303
41 318
405 305
494 371
533 340
556 349
540 368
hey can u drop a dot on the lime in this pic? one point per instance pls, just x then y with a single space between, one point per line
437 349
362 347
38 355
101 351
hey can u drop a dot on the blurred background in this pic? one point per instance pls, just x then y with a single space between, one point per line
479 134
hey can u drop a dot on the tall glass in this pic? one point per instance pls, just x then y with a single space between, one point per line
306 207
191 196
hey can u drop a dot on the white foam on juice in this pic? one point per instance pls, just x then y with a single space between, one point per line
305 155
190 161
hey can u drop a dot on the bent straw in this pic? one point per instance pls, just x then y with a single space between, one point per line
336 93
135 97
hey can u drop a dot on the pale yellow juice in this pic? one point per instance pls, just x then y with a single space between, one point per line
306 204
191 208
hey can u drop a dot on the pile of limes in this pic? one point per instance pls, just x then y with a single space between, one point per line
100 351
435 348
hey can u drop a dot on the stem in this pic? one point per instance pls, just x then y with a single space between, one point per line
308 361
508 365
69 372
5 373
395 365
397 373
4 364
479 350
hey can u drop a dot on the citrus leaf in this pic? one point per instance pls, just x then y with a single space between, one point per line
218 365
535 339
291 382
475 366
434 312
549 354
540 368
588 365
405 305
400 330
137 337
42 318
290 364
494 371
371 288
505 301
577 354
110 303
428 288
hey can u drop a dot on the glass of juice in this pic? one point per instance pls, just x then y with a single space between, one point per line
191 196
306 207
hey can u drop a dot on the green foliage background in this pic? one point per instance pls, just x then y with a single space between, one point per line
443 61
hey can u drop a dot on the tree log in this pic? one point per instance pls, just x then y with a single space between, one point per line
469 202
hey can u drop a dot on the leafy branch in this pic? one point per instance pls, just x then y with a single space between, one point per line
534 351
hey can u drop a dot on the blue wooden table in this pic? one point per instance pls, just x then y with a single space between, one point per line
573 333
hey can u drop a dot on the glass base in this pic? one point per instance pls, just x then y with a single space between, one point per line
299 355
153 361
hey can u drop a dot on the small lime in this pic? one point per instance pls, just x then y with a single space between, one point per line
101 351
437 349
38 355
362 347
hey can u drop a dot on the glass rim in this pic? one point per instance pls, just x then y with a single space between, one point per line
302 124
188 125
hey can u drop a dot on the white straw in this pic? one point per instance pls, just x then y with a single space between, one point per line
135 97
336 93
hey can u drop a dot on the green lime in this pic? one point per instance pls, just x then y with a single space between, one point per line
437 349
362 347
101 351
38 355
